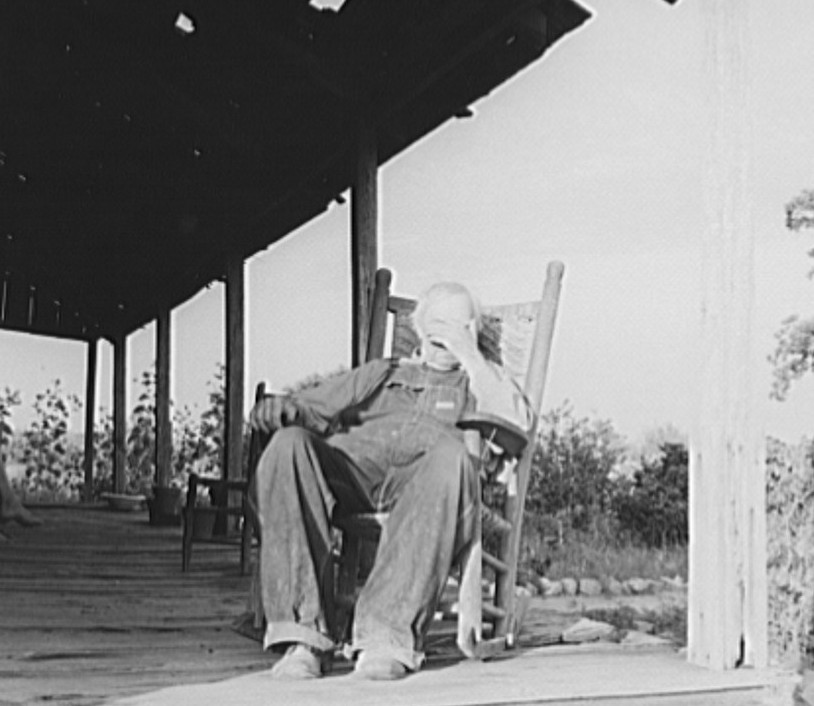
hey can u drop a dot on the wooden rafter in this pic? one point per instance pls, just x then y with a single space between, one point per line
139 149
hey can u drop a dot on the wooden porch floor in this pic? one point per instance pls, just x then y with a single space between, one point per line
94 609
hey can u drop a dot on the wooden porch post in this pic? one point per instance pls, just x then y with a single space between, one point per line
235 345
90 416
119 412
163 422
727 561
364 236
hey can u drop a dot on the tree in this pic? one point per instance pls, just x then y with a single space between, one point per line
652 506
653 441
793 355
800 211
573 467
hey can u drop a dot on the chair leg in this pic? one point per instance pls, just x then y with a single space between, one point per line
505 581
246 533
470 607
189 511
505 601
186 546
256 599
349 560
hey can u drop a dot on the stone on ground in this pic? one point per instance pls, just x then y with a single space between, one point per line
569 586
614 587
553 589
587 630
639 586
635 638
590 587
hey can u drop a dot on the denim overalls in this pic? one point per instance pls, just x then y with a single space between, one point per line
415 407
398 450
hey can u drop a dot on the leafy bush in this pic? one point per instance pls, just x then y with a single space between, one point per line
141 439
584 514
202 447
570 484
790 560
53 464
54 461
197 444
140 445
10 398
102 456
793 356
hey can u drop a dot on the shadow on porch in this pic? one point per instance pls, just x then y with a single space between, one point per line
94 609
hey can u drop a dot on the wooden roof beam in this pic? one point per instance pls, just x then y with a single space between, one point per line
330 81
467 51
215 123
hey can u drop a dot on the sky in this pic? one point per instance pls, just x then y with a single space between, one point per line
593 156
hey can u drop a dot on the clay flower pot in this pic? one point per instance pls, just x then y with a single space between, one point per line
165 506
125 503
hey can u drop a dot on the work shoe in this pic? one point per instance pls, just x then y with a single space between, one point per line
298 662
378 667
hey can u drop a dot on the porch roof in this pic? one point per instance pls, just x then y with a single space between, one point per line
143 144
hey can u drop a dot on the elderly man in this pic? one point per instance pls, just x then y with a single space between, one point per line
381 437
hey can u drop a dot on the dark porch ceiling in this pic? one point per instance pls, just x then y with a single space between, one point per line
134 158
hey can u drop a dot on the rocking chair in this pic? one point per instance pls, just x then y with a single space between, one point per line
518 337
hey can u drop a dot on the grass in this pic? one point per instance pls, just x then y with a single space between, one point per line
578 559
601 556
596 555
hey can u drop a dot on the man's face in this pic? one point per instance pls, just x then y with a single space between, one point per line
453 310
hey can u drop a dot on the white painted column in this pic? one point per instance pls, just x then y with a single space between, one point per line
727 592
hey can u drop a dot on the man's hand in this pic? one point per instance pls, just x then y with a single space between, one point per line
273 412
460 341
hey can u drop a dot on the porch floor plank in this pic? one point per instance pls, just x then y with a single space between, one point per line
93 605
95 609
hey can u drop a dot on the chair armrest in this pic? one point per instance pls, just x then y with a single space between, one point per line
509 437
367 525
220 483
219 490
